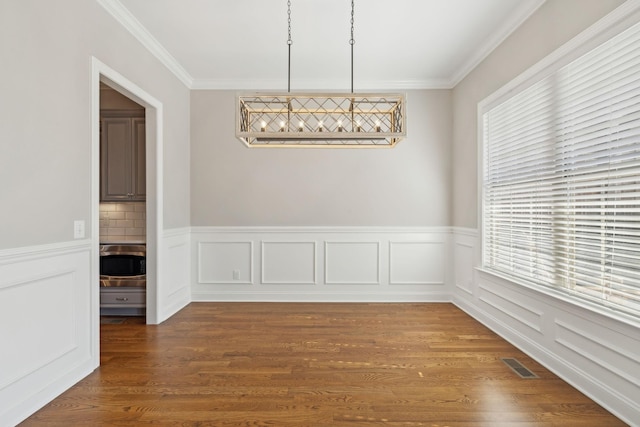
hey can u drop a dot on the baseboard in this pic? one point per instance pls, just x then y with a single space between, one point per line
309 297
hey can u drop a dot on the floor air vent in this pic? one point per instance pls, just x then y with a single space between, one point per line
518 368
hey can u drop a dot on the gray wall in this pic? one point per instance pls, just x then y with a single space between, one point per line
552 25
45 123
232 185
45 135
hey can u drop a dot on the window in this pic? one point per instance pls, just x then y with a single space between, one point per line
561 179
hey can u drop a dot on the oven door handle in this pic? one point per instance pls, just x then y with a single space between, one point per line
139 281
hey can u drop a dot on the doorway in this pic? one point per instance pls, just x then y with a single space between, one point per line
122 206
106 76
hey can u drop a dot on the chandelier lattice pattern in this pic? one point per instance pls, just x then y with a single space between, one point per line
321 120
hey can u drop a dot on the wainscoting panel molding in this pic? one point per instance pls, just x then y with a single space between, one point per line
352 263
317 264
504 302
463 266
175 290
417 263
225 262
55 287
609 352
45 324
595 353
289 263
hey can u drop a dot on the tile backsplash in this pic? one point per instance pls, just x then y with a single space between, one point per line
123 221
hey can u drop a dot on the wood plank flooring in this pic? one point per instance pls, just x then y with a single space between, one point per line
291 364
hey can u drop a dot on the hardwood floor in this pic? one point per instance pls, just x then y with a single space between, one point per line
286 364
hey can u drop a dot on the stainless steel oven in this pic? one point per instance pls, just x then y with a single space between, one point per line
123 265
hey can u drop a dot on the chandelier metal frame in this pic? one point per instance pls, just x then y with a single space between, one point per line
320 120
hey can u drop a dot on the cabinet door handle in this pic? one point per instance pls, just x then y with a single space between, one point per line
122 299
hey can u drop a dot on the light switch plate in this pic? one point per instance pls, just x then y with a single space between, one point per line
78 229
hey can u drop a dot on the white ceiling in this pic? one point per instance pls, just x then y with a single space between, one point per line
242 44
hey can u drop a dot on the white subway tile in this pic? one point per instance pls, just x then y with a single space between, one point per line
119 220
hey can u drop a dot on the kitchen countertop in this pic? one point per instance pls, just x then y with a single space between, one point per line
133 240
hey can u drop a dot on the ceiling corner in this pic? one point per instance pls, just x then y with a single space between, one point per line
131 24
499 36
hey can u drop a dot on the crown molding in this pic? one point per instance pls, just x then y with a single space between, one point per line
507 28
116 9
129 22
320 84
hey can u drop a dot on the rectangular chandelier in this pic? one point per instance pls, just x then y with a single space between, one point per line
321 120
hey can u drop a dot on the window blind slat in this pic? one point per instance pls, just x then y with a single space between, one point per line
561 179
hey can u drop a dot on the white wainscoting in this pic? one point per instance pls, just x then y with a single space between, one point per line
291 263
352 263
45 325
597 354
362 264
174 290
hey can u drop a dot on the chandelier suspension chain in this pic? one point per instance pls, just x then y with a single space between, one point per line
352 41
289 43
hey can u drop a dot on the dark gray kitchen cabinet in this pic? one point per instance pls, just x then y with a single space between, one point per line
122 158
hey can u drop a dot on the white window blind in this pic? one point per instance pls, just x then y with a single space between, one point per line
561 184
